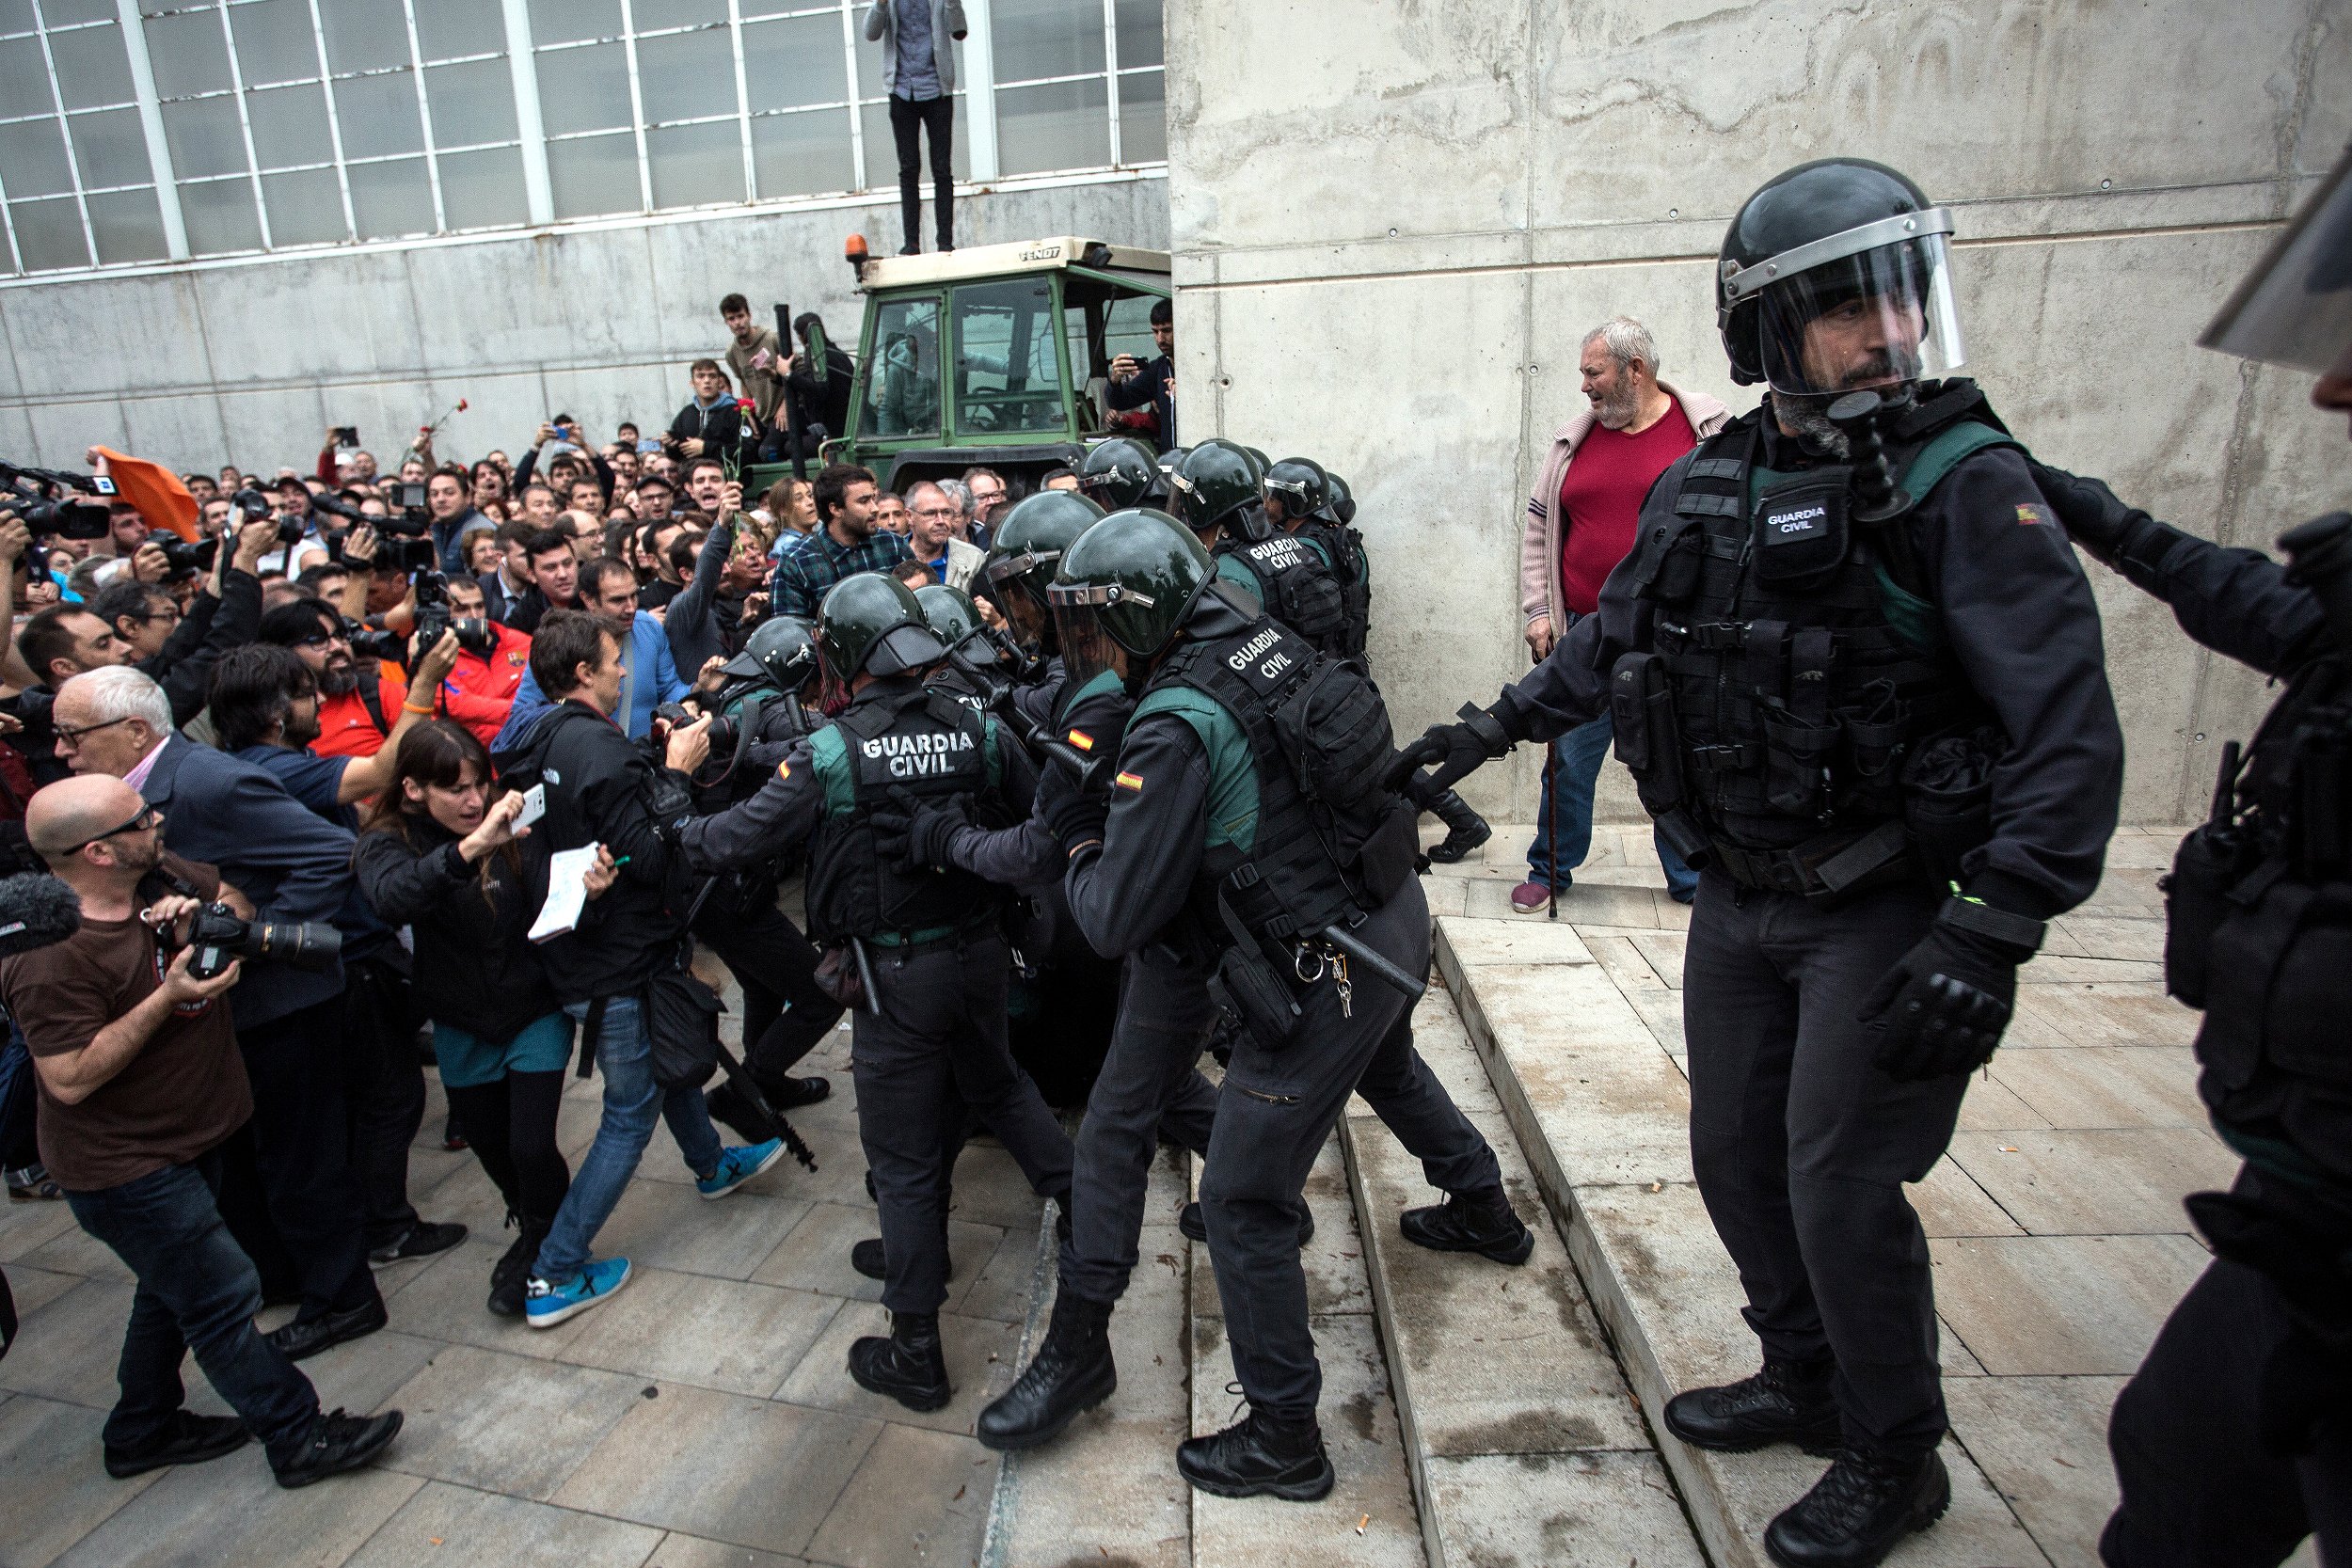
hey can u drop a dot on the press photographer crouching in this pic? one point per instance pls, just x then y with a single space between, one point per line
443 857
140 1085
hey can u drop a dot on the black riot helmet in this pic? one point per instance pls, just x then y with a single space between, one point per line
871 623
2295 308
1026 553
782 652
1298 486
1218 485
1123 592
1339 502
1837 275
948 611
1117 472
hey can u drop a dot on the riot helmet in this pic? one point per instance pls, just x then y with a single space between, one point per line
1117 472
2295 308
1123 592
1298 486
948 611
1218 485
871 623
781 651
1257 455
1024 553
1837 275
1339 502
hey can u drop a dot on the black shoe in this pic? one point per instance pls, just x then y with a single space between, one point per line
1260 1457
1860 1509
1465 829
868 1258
1190 1222
339 1441
1072 1373
192 1440
422 1240
1480 1222
512 1272
1788 1402
909 1365
298 1341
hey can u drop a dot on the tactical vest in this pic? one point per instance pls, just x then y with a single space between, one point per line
933 748
1331 845
1798 668
1344 547
1296 586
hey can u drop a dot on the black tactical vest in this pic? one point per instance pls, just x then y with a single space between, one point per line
932 747
1353 568
1297 588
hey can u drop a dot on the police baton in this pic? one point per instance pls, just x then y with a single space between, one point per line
1359 951
865 977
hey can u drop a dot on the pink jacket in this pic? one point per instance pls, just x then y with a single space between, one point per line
1539 550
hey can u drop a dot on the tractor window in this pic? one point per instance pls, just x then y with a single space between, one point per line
1102 322
902 374
1008 377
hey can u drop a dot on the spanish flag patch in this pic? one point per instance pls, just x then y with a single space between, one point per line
784 771
1130 781
1082 740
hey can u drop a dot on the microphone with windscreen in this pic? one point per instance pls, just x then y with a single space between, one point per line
36 911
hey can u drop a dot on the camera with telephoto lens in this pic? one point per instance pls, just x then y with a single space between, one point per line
383 646
219 936
721 731
184 556
434 617
51 501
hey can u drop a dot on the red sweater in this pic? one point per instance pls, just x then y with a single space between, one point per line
1600 499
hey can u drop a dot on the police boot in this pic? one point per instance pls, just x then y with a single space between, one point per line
909 1365
1480 1222
512 1270
1072 1373
1860 1509
1262 1456
1788 1402
1465 829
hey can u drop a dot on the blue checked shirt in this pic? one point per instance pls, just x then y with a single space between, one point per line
808 565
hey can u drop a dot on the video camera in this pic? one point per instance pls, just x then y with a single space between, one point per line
50 501
219 936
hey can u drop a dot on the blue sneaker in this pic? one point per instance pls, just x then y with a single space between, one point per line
738 1166
547 1303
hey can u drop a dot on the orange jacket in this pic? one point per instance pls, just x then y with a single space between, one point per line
481 690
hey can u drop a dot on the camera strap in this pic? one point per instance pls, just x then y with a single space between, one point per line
373 700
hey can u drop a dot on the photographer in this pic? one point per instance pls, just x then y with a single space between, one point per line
140 1085
441 857
482 686
178 650
357 703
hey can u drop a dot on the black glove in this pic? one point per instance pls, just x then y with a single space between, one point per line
1091 728
1075 818
1943 1007
1455 749
2095 516
918 832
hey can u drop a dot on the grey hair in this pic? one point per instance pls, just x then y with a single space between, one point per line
925 484
1627 340
958 492
117 692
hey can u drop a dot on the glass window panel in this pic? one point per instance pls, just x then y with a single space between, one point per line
391 199
364 35
687 75
448 28
695 165
111 150
221 216
91 68
472 102
129 225
564 21
189 53
778 7
378 115
801 154
305 208
16 16
1007 376
49 234
594 175
290 128
902 377
1139 41
24 77
157 7
1142 117
33 159
64 13
205 137
481 190
651 15
794 63
882 157
1061 125
583 89
1046 37
273 41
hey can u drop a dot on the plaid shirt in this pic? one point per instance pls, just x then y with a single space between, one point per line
808 565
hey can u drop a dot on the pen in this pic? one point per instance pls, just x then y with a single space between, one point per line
622 862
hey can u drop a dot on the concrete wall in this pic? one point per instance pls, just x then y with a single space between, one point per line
1394 220
251 362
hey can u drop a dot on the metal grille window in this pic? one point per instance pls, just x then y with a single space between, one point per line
138 131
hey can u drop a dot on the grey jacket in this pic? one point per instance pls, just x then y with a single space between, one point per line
946 22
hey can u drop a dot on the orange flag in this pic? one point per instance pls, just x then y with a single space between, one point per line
156 490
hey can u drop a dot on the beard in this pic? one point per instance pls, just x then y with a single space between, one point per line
1617 409
339 680
1806 414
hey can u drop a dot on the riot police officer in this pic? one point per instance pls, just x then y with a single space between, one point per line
1857 675
929 1030
1119 473
1269 858
2233 1441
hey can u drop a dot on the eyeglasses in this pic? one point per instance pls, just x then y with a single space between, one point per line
148 816
74 736
322 637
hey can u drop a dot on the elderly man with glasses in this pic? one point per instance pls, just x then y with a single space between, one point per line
932 521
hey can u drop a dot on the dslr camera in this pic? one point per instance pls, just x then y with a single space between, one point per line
51 501
252 506
433 618
184 555
220 937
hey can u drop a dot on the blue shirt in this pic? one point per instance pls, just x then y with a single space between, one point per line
918 71
652 680
313 780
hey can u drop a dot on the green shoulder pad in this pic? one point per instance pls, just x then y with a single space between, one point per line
829 754
1232 809
1945 451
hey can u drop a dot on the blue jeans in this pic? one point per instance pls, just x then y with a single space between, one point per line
197 1292
1582 752
631 1103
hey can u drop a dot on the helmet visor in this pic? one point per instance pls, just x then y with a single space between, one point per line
1877 318
1087 648
2296 308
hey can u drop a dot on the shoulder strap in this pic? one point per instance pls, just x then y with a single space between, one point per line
1945 450
373 700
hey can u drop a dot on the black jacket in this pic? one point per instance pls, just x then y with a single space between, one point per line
1149 390
724 429
821 399
211 627
475 967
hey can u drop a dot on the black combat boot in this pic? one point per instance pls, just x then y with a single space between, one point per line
1072 1373
909 1365
1465 829
512 1270
1480 1222
1192 1223
1788 1402
1262 1456
1860 1509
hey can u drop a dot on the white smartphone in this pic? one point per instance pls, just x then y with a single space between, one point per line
535 805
